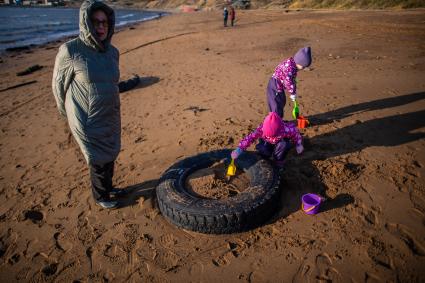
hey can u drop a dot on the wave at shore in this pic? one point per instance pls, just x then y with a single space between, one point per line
23 27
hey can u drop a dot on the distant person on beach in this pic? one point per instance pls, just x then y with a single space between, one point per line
225 16
276 138
85 86
232 15
284 78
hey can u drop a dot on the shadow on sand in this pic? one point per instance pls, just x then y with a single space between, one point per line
136 82
144 190
301 176
345 112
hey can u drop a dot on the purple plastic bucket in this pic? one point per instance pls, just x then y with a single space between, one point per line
311 203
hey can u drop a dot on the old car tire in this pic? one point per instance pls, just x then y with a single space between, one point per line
246 210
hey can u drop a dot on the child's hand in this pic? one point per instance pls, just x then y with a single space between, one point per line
235 154
299 148
293 97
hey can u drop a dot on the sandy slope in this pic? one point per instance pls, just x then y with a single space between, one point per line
365 95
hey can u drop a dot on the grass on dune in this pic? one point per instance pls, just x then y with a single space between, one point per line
361 4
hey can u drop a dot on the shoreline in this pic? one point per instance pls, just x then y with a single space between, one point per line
28 47
169 10
172 11
206 8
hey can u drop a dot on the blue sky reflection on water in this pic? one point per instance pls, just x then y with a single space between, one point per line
26 26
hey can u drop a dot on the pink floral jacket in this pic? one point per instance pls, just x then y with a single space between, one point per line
288 131
285 75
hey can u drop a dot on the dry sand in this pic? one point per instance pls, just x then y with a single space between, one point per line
203 89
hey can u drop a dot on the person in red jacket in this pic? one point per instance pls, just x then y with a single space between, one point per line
232 14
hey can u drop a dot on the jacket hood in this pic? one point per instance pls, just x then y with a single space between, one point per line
87 30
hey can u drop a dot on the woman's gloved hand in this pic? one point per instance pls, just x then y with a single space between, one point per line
235 154
299 148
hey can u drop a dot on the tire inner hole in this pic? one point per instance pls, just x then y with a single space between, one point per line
212 182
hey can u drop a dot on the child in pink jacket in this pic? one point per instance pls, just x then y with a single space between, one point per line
283 79
275 139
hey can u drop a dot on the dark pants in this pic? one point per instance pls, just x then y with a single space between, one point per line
101 180
276 100
225 21
277 151
232 21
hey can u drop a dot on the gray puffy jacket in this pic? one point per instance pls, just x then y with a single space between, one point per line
85 86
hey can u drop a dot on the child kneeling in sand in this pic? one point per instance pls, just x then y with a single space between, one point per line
275 138
284 78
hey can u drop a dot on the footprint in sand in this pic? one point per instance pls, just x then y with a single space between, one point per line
258 276
223 259
168 240
234 250
131 235
371 218
14 259
196 269
22 274
417 198
404 234
108 276
88 234
50 269
145 252
35 216
303 274
62 242
378 252
115 252
166 260
417 215
325 270
372 278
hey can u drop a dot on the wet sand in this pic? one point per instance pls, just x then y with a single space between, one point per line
203 88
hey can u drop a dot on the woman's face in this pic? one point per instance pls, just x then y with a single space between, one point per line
100 23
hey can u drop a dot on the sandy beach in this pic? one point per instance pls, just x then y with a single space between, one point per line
203 88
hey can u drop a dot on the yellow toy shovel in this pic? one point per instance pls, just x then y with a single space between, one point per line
231 170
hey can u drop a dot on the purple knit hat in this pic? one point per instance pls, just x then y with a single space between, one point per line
303 57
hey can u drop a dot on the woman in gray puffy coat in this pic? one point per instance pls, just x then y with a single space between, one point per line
85 86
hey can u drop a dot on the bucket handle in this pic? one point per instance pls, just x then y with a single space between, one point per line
308 209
